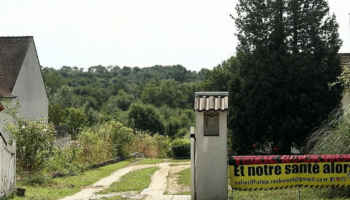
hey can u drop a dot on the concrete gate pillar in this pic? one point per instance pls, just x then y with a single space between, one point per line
209 175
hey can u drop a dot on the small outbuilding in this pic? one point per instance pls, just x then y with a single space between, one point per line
209 147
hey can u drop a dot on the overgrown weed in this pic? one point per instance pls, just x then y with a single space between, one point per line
333 137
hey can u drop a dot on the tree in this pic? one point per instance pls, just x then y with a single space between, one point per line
122 101
52 78
76 120
65 97
287 50
218 78
57 113
145 117
167 93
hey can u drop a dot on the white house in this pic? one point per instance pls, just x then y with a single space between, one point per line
21 79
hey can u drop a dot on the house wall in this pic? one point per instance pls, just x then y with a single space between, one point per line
346 99
30 89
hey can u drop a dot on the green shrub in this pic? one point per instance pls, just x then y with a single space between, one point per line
38 178
104 142
156 146
95 147
181 147
33 140
120 137
64 162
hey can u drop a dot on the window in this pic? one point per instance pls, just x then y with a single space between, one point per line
211 124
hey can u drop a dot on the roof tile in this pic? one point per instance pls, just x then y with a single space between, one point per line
344 59
211 101
12 53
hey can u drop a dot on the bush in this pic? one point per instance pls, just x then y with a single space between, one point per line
64 162
156 146
33 140
333 137
121 137
181 147
104 142
38 178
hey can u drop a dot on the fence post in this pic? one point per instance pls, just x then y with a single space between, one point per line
193 163
7 168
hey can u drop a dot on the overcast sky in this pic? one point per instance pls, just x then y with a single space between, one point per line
194 33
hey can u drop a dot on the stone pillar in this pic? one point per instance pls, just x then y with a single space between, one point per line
211 146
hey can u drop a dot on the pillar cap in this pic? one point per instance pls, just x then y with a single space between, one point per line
211 101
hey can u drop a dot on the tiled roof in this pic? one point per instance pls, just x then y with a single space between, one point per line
12 53
211 101
344 59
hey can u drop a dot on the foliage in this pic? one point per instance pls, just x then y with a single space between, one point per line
33 140
38 179
145 117
287 54
57 113
149 161
218 78
181 147
343 79
165 93
76 120
156 146
64 162
104 142
104 93
122 101
121 137
185 177
61 187
177 121
66 97
333 137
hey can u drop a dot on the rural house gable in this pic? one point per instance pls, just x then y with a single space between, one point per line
21 79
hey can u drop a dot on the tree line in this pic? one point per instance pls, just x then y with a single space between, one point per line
156 99
280 82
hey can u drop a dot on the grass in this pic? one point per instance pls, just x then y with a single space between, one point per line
133 181
180 160
283 194
150 161
112 198
66 186
184 177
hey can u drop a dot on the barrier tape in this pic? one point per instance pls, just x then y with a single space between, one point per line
249 173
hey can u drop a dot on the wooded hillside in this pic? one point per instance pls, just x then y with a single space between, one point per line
155 99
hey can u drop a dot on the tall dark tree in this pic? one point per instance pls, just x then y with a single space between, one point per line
218 78
287 52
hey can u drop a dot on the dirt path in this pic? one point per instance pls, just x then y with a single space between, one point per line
173 187
160 182
155 190
88 192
